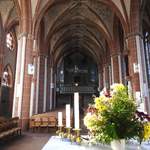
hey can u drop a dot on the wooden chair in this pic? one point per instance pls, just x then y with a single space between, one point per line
52 122
44 122
37 123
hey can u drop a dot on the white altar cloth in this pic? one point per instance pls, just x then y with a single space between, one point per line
56 143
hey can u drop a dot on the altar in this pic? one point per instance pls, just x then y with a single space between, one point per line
57 143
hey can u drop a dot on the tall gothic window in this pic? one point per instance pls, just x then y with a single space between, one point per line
147 54
10 41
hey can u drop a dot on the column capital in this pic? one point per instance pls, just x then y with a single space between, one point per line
23 34
43 55
115 54
106 65
133 34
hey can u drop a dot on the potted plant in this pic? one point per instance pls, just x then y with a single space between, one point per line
112 119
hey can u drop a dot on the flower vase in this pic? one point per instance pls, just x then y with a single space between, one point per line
118 144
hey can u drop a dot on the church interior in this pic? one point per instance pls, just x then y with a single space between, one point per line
51 49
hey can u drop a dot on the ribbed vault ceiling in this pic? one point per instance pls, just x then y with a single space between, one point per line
78 25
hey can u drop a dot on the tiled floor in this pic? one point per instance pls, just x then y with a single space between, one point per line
28 141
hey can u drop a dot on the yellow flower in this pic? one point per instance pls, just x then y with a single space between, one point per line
117 87
78 140
102 103
147 131
90 121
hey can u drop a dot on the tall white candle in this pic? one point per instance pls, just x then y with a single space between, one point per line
129 89
67 116
60 119
76 110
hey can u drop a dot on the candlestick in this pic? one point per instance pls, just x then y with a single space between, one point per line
68 116
76 110
60 119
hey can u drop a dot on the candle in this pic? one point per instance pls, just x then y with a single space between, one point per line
76 110
67 116
59 118
129 89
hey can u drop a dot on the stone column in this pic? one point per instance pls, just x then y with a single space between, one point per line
41 84
100 75
120 68
18 88
145 95
133 61
106 76
115 68
37 85
110 75
25 109
32 97
33 87
45 85
51 88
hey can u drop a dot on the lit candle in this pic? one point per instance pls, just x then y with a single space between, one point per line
59 118
76 110
67 116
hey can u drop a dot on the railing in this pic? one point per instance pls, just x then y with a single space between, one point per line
66 89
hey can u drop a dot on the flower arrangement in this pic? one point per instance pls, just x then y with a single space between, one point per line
113 117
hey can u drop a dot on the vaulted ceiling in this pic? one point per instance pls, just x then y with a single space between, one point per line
67 25
83 25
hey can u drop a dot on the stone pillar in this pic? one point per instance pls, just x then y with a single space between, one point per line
106 76
133 61
45 85
120 68
18 88
110 75
42 84
54 89
115 68
145 95
37 85
100 75
33 87
51 88
25 109
32 97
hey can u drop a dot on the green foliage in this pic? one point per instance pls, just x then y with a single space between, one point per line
115 116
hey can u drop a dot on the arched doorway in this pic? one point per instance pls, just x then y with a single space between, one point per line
6 92
77 72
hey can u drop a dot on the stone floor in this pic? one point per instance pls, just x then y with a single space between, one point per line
28 141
